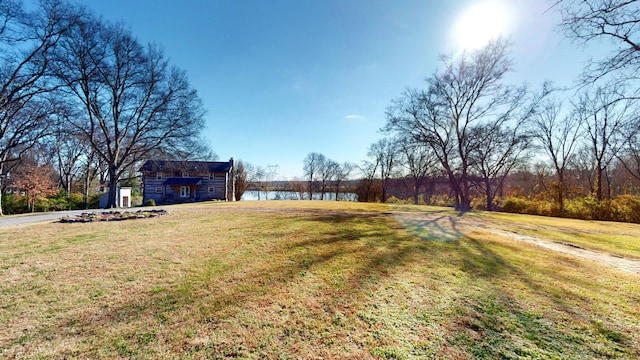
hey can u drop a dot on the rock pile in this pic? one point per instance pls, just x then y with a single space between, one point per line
112 216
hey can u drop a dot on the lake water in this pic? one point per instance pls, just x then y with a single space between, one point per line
292 195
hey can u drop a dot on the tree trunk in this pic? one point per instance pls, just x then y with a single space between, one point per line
465 201
383 184
1 187
113 191
561 187
598 185
489 195
87 184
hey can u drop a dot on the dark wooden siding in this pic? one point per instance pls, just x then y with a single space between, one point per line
171 194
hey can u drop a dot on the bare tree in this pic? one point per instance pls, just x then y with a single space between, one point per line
604 117
582 167
328 170
297 186
558 136
419 163
498 149
630 158
469 92
69 150
342 173
26 42
312 166
92 169
386 155
135 103
258 177
365 190
614 21
240 177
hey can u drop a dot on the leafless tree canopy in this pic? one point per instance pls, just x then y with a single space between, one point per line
463 108
27 40
132 101
611 21
558 136
605 119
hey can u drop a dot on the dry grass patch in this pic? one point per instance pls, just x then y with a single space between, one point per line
301 280
608 236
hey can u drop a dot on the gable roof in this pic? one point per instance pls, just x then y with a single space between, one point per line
187 166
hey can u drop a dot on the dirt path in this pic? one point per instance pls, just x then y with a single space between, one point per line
449 228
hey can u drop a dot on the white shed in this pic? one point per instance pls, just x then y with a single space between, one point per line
123 198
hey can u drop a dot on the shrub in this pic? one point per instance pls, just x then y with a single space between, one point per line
441 200
395 200
14 204
626 208
76 200
59 201
479 203
541 207
150 202
577 208
136 200
514 204
43 204
623 208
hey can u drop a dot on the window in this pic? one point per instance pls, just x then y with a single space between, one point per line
185 191
185 174
212 189
159 189
211 176
159 176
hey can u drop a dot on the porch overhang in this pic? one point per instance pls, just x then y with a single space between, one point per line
183 181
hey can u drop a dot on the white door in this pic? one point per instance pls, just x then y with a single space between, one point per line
184 191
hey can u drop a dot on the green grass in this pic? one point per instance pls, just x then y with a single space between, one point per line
306 280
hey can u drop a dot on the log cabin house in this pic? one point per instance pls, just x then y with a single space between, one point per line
172 182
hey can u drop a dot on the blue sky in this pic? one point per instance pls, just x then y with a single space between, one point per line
281 78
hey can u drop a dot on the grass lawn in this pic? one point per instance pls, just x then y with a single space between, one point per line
312 280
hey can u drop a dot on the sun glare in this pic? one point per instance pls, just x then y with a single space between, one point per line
480 23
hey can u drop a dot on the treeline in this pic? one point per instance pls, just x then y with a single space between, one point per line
82 103
299 190
471 140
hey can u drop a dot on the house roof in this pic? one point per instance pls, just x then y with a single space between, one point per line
183 181
187 166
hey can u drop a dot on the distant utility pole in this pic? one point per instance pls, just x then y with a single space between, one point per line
273 171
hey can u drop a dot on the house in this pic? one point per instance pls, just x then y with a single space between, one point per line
123 198
170 182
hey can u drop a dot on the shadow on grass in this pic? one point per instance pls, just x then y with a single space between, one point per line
493 323
367 245
491 317
443 228
351 257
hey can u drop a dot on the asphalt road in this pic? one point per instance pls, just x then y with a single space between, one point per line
10 220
